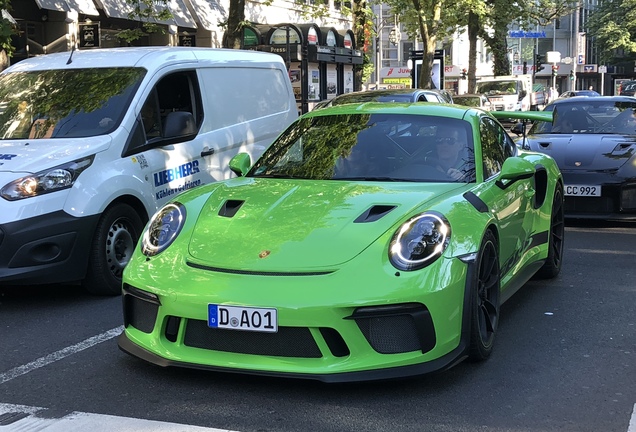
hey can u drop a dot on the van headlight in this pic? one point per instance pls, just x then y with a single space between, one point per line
43 182
419 241
163 228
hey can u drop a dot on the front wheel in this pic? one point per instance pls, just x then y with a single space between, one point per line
484 300
115 238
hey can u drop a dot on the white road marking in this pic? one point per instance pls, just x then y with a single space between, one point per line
632 422
35 419
58 355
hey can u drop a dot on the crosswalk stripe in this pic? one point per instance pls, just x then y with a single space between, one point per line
23 418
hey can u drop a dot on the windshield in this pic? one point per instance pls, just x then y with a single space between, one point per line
590 117
372 147
492 88
69 103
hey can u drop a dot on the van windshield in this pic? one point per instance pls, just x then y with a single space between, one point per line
69 103
492 88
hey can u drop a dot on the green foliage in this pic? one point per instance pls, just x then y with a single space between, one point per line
613 24
149 12
7 29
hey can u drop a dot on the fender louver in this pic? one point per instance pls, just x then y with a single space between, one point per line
230 207
374 213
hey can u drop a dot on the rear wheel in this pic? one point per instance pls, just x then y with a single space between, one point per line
484 301
552 266
116 235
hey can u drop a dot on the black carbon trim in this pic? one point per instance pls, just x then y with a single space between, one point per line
476 202
437 365
255 273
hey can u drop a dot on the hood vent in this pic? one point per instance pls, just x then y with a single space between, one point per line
230 207
374 213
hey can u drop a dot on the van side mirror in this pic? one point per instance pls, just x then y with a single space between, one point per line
179 124
240 164
522 94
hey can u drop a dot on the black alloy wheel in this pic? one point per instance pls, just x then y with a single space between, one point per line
552 266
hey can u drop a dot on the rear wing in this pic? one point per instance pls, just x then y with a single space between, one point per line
525 117
546 116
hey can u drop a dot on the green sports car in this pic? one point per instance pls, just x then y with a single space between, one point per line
369 241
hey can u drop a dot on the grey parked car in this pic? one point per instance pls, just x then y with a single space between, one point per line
395 95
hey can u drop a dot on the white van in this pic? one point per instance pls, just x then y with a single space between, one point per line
93 142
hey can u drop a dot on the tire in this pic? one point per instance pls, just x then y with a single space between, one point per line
552 266
114 241
484 300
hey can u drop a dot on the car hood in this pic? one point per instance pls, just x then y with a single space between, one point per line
286 225
585 152
30 156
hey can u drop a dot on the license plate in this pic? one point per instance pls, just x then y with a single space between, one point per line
243 318
583 190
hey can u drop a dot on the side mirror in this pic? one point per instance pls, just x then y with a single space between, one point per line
513 170
517 129
522 94
179 124
240 164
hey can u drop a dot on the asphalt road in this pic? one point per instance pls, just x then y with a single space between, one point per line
565 360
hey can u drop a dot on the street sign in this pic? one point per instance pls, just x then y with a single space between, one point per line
602 69
553 56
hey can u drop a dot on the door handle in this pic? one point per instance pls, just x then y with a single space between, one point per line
207 152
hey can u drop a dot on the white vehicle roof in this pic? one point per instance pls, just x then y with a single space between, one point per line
146 57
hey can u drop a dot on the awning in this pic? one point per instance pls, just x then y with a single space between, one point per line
121 9
208 12
86 7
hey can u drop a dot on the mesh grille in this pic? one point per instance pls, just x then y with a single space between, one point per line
140 314
287 342
628 199
589 205
391 334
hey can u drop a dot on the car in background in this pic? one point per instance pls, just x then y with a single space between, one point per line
593 140
348 252
627 88
393 95
473 100
572 93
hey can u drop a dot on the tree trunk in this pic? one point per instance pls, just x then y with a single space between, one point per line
359 8
473 30
234 32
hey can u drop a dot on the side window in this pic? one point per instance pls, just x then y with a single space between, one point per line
150 117
494 145
177 91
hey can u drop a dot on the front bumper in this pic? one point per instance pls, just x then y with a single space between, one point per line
342 326
51 248
617 200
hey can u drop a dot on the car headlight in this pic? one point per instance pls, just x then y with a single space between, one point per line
50 180
163 228
419 241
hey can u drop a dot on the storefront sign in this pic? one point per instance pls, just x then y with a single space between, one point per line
89 35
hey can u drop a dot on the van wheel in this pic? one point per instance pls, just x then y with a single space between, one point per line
115 239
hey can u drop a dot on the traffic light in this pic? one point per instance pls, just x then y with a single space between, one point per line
464 74
538 63
555 70
571 75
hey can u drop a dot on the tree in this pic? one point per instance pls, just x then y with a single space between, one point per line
7 30
432 20
613 25
147 13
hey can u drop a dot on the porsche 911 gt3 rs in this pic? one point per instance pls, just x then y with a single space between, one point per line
351 250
